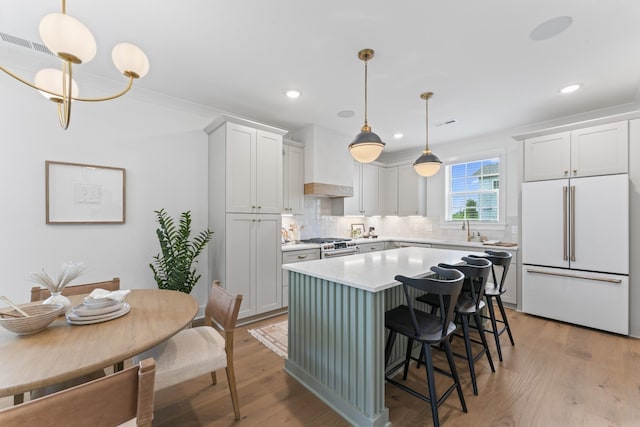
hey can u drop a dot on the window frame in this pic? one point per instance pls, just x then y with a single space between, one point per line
501 156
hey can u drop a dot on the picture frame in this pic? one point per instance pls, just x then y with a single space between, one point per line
357 230
79 193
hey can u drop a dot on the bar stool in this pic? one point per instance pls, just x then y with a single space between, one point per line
470 303
494 291
428 329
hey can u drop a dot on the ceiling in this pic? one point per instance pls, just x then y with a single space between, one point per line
476 56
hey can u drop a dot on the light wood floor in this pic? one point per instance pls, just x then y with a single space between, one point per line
556 375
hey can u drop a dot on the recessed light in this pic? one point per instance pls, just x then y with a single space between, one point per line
346 114
550 28
398 135
570 89
292 93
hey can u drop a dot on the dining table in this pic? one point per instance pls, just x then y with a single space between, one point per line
64 351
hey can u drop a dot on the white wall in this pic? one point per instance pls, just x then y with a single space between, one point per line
163 150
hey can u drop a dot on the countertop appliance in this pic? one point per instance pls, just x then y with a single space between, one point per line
331 247
575 250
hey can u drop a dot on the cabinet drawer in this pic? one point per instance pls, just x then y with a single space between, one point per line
298 256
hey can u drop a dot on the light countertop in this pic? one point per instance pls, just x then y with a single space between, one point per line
474 245
375 271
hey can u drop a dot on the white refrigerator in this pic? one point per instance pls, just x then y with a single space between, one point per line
575 251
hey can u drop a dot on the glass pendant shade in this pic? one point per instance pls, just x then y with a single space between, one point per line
129 58
427 164
51 79
68 38
366 147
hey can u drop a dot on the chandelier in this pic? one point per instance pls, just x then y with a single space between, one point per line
72 42
427 164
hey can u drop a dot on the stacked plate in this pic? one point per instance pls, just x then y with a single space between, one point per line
96 310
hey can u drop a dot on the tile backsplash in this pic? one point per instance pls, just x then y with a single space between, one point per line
318 221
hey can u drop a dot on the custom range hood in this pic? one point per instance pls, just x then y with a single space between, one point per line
328 166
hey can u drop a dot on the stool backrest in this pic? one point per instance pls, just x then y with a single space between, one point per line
476 274
502 259
445 283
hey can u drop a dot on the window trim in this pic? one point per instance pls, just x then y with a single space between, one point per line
502 202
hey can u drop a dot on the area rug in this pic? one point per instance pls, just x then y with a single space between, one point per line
274 336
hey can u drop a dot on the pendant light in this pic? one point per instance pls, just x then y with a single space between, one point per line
427 164
366 146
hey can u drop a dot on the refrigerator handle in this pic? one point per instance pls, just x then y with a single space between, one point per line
572 192
564 223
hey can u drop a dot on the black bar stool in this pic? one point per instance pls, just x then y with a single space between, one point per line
428 329
493 291
470 303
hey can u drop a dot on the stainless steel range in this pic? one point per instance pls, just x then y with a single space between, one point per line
334 247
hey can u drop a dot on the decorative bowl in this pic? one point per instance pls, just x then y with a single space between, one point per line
40 316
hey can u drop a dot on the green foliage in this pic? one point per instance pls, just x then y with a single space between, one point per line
172 269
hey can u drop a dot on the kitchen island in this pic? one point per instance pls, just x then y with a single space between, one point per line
336 325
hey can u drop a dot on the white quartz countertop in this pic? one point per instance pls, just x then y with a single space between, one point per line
375 271
477 245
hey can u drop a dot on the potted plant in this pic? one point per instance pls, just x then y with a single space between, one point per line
172 268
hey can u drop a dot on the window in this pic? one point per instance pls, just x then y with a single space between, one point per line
473 190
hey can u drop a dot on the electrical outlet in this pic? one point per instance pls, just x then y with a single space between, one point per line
514 229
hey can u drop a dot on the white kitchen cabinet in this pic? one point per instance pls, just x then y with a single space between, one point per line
365 200
596 150
511 281
371 247
254 169
293 176
289 257
402 191
253 261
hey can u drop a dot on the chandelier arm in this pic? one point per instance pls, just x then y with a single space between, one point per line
64 106
108 98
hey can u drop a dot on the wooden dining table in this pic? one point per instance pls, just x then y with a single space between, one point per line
64 351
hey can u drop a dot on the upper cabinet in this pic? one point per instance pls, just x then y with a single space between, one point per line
293 160
254 170
365 200
596 150
402 191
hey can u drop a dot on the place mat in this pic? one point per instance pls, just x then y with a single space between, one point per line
273 336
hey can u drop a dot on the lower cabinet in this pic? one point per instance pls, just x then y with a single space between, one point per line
252 261
289 257
371 247
511 282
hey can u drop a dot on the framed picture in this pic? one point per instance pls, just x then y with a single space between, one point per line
357 230
80 194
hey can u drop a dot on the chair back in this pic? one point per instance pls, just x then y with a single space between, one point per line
222 309
108 401
476 274
38 293
502 259
445 284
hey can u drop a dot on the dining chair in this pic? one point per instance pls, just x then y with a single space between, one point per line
494 291
38 294
106 402
197 351
428 329
470 304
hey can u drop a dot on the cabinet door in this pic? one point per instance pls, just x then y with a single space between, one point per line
389 191
353 205
293 180
370 190
240 260
268 172
241 166
268 249
371 247
412 194
547 157
600 150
